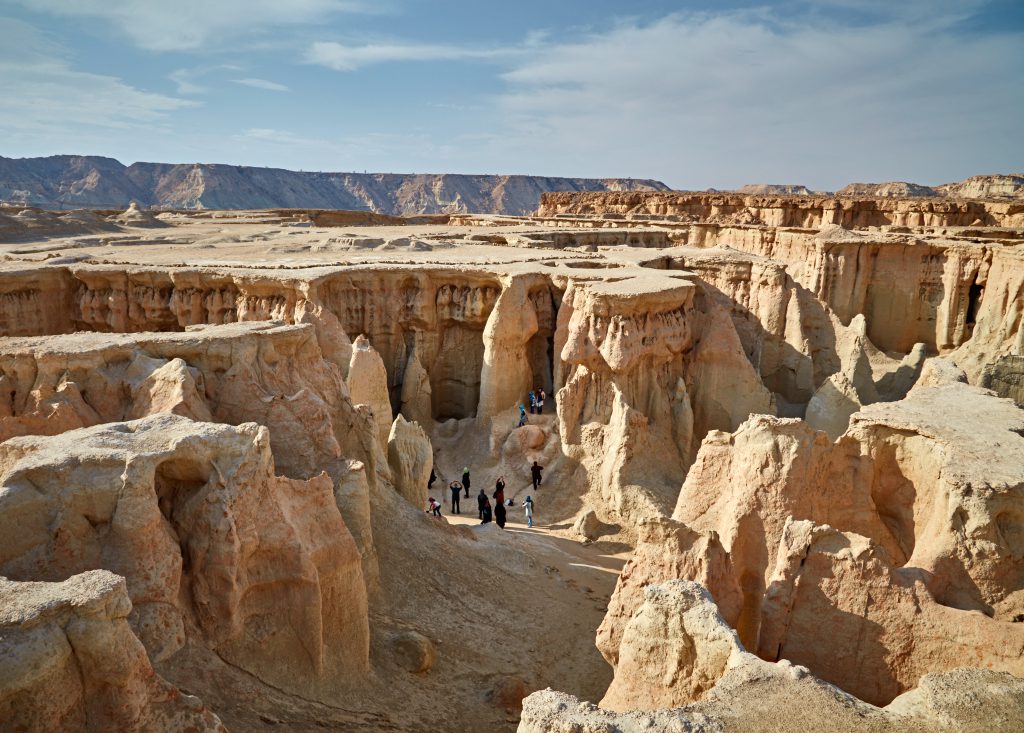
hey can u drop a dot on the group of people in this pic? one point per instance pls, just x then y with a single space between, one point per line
484 509
536 400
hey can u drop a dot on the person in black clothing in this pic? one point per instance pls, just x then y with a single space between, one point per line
433 478
499 514
499 491
465 480
535 474
481 499
485 511
455 487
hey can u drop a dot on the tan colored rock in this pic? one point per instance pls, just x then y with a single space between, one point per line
267 373
411 457
413 651
259 567
368 385
831 406
72 663
885 631
673 651
416 399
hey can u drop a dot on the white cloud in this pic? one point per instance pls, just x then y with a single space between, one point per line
279 137
750 96
44 95
270 86
192 24
340 57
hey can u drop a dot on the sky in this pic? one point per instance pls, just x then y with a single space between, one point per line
696 94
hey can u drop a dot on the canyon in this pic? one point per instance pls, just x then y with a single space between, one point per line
783 453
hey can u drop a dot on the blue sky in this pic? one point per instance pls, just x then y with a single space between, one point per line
696 94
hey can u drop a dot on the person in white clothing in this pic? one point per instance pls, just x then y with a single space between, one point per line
528 506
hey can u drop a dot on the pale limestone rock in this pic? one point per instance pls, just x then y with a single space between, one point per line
368 385
673 651
506 375
72 663
170 386
885 631
416 400
411 457
172 504
831 406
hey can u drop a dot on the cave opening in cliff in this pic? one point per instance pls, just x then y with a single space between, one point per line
974 295
455 375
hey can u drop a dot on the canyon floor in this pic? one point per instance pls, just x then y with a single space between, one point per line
783 453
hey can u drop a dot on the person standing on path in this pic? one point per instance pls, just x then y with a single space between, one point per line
481 499
465 479
486 511
499 490
433 478
522 416
535 470
528 507
533 402
499 514
540 401
455 487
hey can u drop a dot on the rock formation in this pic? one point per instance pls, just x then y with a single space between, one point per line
210 541
804 404
71 662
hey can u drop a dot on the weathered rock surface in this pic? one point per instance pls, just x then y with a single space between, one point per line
85 180
683 669
411 458
70 662
931 500
260 567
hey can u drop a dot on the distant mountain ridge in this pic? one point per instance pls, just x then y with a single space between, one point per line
85 181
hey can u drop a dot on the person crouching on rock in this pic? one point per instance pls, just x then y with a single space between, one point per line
481 499
499 514
522 416
435 507
455 488
485 512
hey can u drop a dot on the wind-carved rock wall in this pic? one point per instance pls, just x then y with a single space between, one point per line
211 542
622 410
804 212
420 321
927 503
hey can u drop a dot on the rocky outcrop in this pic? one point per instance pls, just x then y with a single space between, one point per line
255 372
773 210
211 542
368 385
411 459
73 181
683 669
674 650
885 630
931 500
890 190
993 186
72 663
